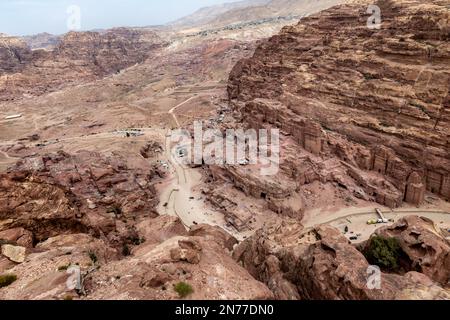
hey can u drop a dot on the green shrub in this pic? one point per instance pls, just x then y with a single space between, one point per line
384 252
136 240
183 289
126 250
7 279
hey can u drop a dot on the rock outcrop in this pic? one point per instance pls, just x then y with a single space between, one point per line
14 54
376 100
44 197
152 274
45 273
202 261
321 264
20 236
83 226
426 250
14 253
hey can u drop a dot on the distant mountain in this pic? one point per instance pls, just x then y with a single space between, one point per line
42 41
206 15
252 10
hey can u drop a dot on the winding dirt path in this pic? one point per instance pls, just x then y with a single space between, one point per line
182 196
172 111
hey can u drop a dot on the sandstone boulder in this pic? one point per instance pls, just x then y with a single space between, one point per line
14 253
160 229
214 233
188 251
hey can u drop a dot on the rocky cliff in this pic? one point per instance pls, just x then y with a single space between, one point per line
376 100
252 11
96 212
78 57
87 192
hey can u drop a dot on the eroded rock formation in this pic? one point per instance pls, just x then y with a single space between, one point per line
421 241
170 256
320 263
44 197
14 54
374 99
96 213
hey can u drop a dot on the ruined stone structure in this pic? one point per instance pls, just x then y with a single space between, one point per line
415 189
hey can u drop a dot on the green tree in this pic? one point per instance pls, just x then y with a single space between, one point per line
384 252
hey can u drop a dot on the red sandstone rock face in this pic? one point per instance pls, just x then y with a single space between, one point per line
14 54
214 233
81 193
322 264
78 57
375 99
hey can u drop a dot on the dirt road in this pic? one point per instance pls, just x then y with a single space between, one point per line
172 111
182 196
356 220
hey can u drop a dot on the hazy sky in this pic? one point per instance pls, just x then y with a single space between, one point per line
23 17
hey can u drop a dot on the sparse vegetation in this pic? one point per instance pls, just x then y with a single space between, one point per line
7 279
126 250
369 76
384 252
93 257
63 268
183 289
136 240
